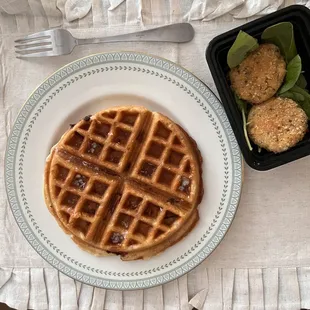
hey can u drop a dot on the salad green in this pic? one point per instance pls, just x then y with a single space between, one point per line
281 35
294 85
243 107
301 82
243 45
293 71
301 96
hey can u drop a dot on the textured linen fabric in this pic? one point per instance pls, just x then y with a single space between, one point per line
263 262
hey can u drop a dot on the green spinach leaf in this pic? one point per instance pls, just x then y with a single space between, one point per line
293 71
293 95
243 45
245 131
301 82
282 35
243 107
305 105
301 96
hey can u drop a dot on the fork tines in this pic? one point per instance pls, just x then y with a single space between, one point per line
36 44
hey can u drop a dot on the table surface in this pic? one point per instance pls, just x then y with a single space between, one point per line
263 262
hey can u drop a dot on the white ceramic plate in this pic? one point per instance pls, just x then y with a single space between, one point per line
92 84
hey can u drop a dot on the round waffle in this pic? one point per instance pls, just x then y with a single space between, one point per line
125 181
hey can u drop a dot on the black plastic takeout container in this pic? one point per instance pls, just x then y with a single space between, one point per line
216 55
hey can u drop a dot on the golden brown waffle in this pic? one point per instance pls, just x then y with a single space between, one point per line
125 181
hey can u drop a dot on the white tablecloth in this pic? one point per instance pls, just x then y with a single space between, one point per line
263 262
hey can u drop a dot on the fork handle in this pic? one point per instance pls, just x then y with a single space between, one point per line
178 33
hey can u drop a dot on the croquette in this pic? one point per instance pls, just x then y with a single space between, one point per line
259 75
277 124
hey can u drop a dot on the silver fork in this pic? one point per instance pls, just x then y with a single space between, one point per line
57 42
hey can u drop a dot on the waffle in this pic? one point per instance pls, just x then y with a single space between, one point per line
124 181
